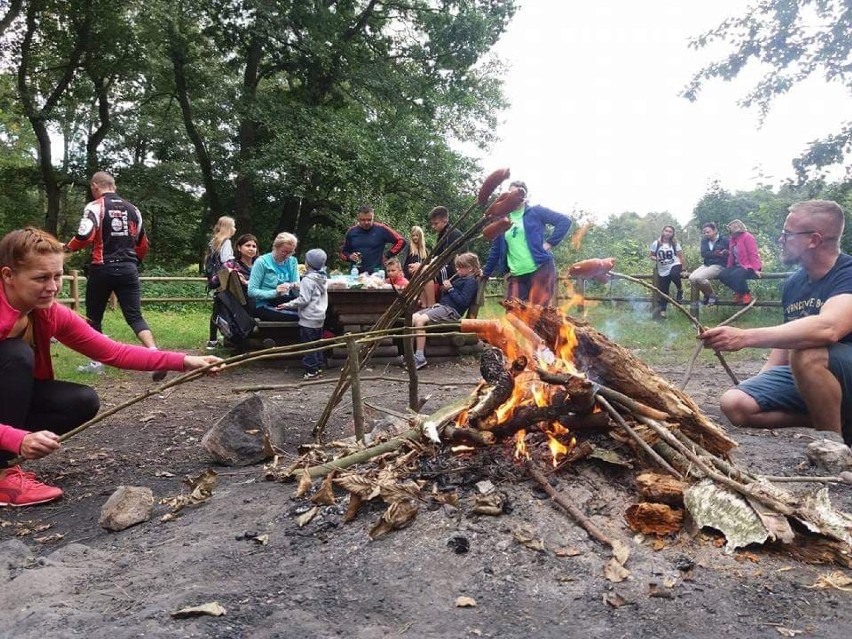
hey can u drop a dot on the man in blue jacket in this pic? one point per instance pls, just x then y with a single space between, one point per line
525 253
364 244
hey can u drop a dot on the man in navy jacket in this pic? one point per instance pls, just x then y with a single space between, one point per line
525 253
364 245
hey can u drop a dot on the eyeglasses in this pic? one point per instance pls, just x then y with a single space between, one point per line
785 233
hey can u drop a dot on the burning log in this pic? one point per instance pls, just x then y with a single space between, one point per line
493 370
655 519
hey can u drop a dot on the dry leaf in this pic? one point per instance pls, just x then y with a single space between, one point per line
393 491
835 580
614 599
355 501
202 489
465 602
398 515
615 572
620 551
568 551
788 632
526 538
305 518
659 593
446 498
355 483
163 473
213 609
670 581
261 539
658 544
305 483
325 495
491 504
49 538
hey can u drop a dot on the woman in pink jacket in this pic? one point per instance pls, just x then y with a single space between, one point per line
743 262
35 408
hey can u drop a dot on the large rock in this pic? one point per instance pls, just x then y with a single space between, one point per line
127 506
831 456
246 434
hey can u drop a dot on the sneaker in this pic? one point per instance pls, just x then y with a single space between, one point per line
212 345
679 296
224 327
419 362
268 343
662 314
312 374
18 488
159 376
712 300
746 299
93 367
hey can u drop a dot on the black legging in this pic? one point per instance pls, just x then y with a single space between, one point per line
38 404
121 278
665 282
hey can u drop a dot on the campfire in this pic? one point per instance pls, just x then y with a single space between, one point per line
555 391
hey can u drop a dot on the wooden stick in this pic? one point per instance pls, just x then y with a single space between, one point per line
635 436
576 513
367 454
701 328
333 380
355 383
408 354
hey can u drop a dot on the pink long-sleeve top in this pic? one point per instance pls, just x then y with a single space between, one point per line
746 249
72 330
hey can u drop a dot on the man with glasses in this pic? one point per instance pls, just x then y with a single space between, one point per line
807 380
524 251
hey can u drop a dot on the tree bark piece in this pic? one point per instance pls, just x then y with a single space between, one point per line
660 488
654 519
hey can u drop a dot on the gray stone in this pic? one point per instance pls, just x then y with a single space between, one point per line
14 554
246 434
834 457
127 506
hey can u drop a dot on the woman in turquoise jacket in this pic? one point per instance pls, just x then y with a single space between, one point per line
274 280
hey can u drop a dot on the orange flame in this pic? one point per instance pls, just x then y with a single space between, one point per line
520 445
579 234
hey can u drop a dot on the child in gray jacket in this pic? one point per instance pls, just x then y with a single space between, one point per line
311 305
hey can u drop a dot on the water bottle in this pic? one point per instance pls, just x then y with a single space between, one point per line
381 275
353 274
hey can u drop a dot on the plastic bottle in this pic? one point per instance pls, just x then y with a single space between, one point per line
381 275
353 274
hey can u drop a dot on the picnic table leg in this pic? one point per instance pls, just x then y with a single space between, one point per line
355 383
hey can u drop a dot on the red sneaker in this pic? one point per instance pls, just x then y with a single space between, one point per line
746 299
18 488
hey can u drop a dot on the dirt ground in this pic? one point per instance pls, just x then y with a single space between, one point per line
64 576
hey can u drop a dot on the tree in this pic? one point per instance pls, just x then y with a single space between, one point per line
793 40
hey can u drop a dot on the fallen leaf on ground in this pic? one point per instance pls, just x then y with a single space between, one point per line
305 483
836 580
526 538
614 599
213 609
569 551
787 632
465 602
615 572
620 551
305 518
325 495
398 515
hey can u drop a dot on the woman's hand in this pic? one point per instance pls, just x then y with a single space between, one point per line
413 268
283 289
37 445
192 362
447 284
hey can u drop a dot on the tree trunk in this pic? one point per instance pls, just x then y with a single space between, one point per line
244 195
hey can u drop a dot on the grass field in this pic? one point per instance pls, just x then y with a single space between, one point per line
657 342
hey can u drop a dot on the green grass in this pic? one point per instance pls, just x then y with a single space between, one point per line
184 330
657 342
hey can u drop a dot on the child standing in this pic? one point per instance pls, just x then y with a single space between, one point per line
394 276
311 305
459 293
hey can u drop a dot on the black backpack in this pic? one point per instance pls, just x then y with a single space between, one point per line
232 318
212 266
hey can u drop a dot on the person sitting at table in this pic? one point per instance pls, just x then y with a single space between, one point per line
393 273
274 280
364 244
417 257
459 293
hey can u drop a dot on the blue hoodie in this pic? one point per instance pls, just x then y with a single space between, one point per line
535 219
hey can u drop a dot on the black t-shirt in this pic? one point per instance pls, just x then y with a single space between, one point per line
802 298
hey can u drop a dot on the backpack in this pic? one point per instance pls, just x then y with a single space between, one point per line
232 318
212 266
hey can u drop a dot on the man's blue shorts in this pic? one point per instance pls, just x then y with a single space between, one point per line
775 388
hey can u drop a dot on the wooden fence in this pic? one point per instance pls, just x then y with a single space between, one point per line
567 287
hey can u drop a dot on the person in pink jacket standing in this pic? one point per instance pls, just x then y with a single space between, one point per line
743 262
35 408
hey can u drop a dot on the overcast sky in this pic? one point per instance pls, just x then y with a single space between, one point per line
596 122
